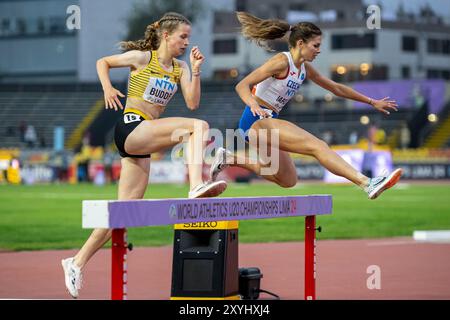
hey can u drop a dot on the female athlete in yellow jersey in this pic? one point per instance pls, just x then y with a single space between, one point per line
154 78
273 85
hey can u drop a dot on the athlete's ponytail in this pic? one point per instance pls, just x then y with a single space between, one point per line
260 30
152 38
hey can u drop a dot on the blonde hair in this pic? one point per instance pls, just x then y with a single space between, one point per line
152 37
260 30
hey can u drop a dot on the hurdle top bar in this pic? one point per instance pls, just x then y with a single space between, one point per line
114 214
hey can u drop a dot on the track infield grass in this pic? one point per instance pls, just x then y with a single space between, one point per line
49 216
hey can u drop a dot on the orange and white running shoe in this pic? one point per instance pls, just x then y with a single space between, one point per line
378 184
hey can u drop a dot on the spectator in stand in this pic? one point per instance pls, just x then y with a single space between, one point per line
41 135
22 129
108 159
353 138
30 137
405 136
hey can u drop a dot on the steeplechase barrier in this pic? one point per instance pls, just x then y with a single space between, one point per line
120 215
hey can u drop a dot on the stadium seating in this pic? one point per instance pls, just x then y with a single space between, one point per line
43 108
48 106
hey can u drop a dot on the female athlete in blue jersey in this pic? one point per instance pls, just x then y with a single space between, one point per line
266 90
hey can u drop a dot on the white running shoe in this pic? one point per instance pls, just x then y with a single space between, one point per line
72 276
208 189
378 184
219 163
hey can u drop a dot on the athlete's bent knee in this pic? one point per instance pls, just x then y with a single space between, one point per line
288 183
200 125
204 124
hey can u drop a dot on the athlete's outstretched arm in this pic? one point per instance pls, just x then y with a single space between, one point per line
343 91
133 59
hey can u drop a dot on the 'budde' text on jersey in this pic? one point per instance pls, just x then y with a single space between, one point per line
159 91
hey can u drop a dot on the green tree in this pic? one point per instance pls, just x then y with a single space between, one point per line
149 11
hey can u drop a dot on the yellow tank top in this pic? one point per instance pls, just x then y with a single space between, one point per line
153 83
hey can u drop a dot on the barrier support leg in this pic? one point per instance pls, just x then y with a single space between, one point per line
310 258
119 264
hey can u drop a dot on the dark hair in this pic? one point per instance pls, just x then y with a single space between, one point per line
260 30
152 38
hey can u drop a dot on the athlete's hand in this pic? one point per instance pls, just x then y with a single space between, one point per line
111 99
384 105
258 111
196 58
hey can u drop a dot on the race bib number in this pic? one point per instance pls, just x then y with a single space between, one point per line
159 91
131 117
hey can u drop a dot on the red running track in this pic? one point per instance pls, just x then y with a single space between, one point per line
409 270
